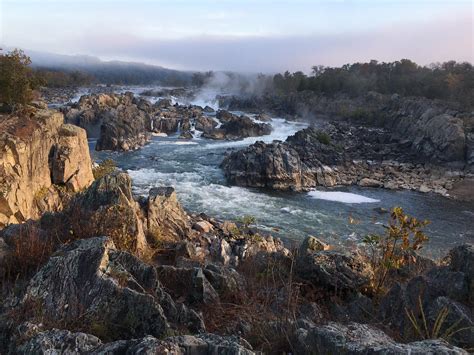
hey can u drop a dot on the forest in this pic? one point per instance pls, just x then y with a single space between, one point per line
450 80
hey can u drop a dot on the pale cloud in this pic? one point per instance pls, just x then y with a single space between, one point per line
244 35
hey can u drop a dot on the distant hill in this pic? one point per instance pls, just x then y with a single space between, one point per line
111 72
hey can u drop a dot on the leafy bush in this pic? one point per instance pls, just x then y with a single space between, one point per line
247 220
105 167
323 138
395 248
16 79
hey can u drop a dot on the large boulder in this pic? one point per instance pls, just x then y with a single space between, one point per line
188 283
461 259
235 127
275 165
334 269
205 124
68 165
124 128
165 218
114 293
119 121
108 208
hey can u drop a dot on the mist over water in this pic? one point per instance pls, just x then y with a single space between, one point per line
339 216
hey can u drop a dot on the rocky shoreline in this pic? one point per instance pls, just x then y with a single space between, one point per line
337 154
110 272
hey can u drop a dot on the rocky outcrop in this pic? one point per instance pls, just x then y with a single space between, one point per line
205 124
124 122
431 129
334 269
435 130
125 128
120 122
166 219
108 207
41 159
235 127
92 280
335 154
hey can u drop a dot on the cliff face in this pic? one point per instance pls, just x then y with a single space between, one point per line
41 159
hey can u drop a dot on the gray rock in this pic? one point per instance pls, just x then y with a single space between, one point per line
91 279
186 135
166 219
205 124
64 342
461 259
355 338
334 269
459 315
312 244
59 342
368 182
202 344
235 127
189 283
444 287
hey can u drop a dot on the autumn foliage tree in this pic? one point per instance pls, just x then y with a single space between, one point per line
16 79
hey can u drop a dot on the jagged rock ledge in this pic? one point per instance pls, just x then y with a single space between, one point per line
337 154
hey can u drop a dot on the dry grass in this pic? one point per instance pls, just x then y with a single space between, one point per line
29 251
265 311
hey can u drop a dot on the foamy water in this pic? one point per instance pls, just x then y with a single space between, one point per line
344 197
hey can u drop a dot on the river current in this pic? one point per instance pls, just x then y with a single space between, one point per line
339 216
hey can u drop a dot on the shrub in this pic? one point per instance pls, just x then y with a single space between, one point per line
16 79
105 167
323 138
247 220
395 248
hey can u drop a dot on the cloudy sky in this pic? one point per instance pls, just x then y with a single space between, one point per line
243 35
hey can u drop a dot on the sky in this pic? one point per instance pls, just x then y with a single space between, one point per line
243 35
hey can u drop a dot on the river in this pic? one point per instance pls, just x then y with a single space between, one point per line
340 216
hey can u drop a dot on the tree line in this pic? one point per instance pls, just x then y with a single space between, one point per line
447 81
